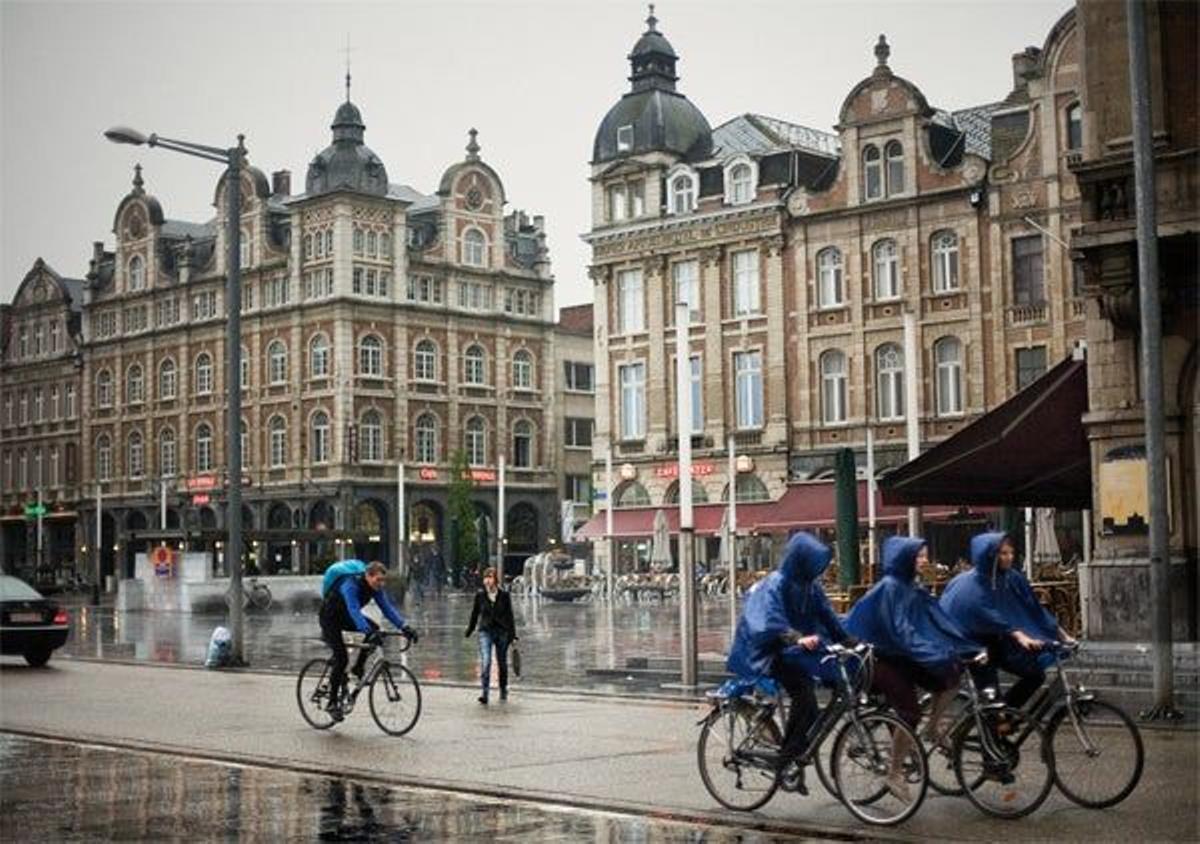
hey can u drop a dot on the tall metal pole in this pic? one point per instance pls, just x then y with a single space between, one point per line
1029 543
41 547
99 537
687 545
870 501
500 520
162 503
233 424
608 521
731 543
912 408
401 523
1151 352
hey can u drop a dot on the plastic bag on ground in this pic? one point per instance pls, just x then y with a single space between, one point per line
220 649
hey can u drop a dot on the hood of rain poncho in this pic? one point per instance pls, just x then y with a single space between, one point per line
788 599
901 618
987 601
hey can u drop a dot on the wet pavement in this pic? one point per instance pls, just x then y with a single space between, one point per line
102 794
563 645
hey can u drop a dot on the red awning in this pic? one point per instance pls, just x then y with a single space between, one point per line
1030 451
802 506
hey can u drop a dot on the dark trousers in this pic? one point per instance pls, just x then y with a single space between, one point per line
793 672
500 642
332 636
897 678
1027 666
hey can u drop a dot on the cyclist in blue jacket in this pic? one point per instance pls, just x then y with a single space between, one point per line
348 587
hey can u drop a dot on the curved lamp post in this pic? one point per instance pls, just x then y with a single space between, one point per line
234 159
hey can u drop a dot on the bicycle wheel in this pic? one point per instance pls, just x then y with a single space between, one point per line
260 597
862 760
395 699
1099 764
940 758
312 693
823 762
1006 769
734 780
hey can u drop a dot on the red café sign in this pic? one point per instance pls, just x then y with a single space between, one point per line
201 483
427 474
200 499
485 475
671 470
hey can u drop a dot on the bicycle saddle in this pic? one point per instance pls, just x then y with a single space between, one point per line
739 687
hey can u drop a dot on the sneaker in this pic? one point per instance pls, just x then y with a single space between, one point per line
483 699
335 712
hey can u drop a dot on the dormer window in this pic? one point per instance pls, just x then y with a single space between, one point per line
137 273
625 138
895 168
739 183
682 193
474 247
872 173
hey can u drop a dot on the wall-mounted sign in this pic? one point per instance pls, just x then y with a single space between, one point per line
671 470
485 475
201 482
427 474
1124 494
200 499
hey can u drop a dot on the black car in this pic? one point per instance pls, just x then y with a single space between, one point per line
30 625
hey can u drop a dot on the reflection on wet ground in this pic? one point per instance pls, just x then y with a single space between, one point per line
55 791
562 645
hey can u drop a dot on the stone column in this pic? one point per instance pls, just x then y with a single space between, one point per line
712 291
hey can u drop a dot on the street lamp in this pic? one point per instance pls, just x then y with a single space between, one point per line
234 159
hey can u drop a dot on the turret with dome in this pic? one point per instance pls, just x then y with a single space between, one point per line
347 163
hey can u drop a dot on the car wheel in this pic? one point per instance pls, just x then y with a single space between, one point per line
38 658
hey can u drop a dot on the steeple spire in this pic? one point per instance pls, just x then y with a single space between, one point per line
473 145
651 21
347 67
137 179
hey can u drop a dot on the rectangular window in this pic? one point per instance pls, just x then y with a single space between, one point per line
697 396
579 377
105 325
53 337
637 199
204 305
632 378
166 456
1027 270
616 203
745 283
276 292
631 315
69 401
578 488
747 367
357 283
247 295
625 138
687 287
1031 365
578 433
54 407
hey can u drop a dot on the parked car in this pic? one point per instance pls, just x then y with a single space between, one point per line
30 625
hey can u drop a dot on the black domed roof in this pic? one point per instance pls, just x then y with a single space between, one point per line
347 163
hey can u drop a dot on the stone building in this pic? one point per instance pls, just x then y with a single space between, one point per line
799 252
574 349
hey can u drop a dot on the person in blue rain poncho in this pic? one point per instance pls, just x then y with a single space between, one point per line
916 644
994 604
785 619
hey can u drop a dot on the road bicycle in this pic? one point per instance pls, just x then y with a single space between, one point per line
393 693
254 594
743 731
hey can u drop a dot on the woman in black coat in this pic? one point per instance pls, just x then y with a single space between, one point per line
497 629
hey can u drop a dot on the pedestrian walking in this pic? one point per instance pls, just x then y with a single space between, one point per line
493 614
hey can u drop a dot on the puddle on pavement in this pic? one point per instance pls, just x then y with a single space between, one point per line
57 791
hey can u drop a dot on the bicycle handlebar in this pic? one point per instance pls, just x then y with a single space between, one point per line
842 653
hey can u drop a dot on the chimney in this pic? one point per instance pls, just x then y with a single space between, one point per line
1024 63
281 183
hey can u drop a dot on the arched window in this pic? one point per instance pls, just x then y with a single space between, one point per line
358 241
318 357
244 249
204 448
167 462
1074 127
425 361
522 448
474 246
385 245
136 455
278 445
320 437
872 173
945 261
750 488
372 244
329 243
103 459
204 374
699 495
277 363
137 273
947 354
135 385
829 278
895 168
833 387
523 370
886 261
631 494
474 365
166 379
889 382
370 357
683 194
104 391
741 184
475 441
370 437
425 436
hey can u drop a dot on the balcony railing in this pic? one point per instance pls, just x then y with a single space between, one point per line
1027 314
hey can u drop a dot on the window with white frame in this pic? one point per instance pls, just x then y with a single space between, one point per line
637 198
747 367
39 405
318 357
741 184
104 323
523 370
167 311
245 249
945 261
475 295
683 193
1074 127
631 314
308 247
136 455
135 319
425 438
475 441
204 448
39 340
894 153
886 263
99 394
425 289
69 401
625 138
135 385
277 363
104 464
385 245
579 377
833 387
166 379
278 441
830 291
425 361
104 392
474 366
244 369
370 357
686 275
8 472
577 432
38 478
167 462
872 172
889 382
54 335
54 406
370 437
54 472
617 203
474 248
277 291
632 379
244 445
204 374
23 469
204 305
745 283
697 387
947 355
319 437
358 241
522 448
137 273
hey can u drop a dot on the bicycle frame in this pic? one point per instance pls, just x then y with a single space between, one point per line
1059 694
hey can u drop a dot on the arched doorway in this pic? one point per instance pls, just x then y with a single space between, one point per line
371 531
279 548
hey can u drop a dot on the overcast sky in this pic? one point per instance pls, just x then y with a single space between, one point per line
534 76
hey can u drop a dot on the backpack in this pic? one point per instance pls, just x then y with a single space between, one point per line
336 572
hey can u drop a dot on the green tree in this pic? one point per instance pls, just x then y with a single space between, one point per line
464 538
